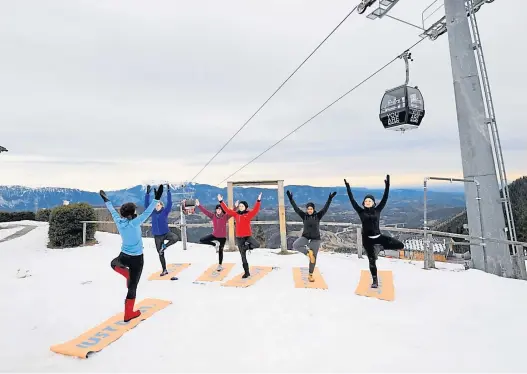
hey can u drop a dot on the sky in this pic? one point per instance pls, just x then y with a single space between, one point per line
109 94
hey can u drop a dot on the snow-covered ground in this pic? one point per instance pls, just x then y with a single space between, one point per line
6 231
441 320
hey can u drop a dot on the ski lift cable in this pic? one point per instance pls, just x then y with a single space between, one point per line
274 93
321 111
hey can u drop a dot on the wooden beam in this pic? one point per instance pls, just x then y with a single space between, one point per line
230 202
281 217
255 183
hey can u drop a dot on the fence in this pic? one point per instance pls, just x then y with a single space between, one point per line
471 240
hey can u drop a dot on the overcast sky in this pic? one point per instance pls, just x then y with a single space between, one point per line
109 94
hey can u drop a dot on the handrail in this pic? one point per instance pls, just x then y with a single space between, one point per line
344 224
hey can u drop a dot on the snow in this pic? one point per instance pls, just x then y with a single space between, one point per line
5 232
441 320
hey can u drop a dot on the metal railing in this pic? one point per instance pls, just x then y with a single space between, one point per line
341 224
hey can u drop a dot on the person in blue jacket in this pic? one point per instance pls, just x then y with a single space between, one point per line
130 261
160 229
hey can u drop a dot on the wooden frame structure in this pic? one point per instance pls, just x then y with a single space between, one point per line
281 208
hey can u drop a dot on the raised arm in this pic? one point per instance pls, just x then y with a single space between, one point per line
384 199
205 211
253 212
113 212
297 210
226 209
168 208
147 196
115 216
354 204
324 210
140 219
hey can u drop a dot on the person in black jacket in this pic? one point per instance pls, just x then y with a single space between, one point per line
370 214
309 242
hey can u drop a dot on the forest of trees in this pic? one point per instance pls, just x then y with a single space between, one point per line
518 194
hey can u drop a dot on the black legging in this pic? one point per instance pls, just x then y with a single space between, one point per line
387 242
207 239
134 264
240 242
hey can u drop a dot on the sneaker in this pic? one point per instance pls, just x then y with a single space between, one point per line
310 277
163 273
219 268
375 283
163 246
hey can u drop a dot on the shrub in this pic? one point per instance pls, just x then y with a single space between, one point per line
43 215
65 227
16 216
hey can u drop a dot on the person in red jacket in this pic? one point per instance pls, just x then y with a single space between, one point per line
244 239
219 230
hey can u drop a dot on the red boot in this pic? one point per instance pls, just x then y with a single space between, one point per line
129 313
124 272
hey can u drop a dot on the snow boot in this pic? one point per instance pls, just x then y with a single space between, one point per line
163 273
310 277
311 256
375 283
246 269
129 312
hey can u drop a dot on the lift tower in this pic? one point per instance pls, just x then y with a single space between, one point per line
476 145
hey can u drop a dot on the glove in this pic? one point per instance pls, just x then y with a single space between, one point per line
289 194
148 188
387 180
103 195
332 195
159 192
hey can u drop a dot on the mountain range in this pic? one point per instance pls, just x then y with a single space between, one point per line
20 198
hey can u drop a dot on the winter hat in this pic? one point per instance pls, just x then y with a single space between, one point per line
244 204
310 204
369 197
219 206
128 210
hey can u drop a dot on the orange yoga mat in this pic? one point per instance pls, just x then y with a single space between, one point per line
109 331
257 273
301 281
386 289
173 270
212 275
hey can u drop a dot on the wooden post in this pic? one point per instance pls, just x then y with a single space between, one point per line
281 217
230 203
183 221
83 233
359 242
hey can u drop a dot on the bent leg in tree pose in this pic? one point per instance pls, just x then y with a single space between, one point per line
130 261
219 230
244 238
309 242
160 229
369 214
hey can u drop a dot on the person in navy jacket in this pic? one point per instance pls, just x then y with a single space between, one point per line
160 229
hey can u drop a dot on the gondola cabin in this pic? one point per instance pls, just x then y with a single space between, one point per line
189 206
402 108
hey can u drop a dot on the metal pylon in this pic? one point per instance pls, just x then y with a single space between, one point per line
491 121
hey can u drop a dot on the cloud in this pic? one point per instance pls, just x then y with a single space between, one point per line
106 94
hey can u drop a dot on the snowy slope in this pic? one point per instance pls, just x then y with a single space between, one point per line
441 320
6 231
